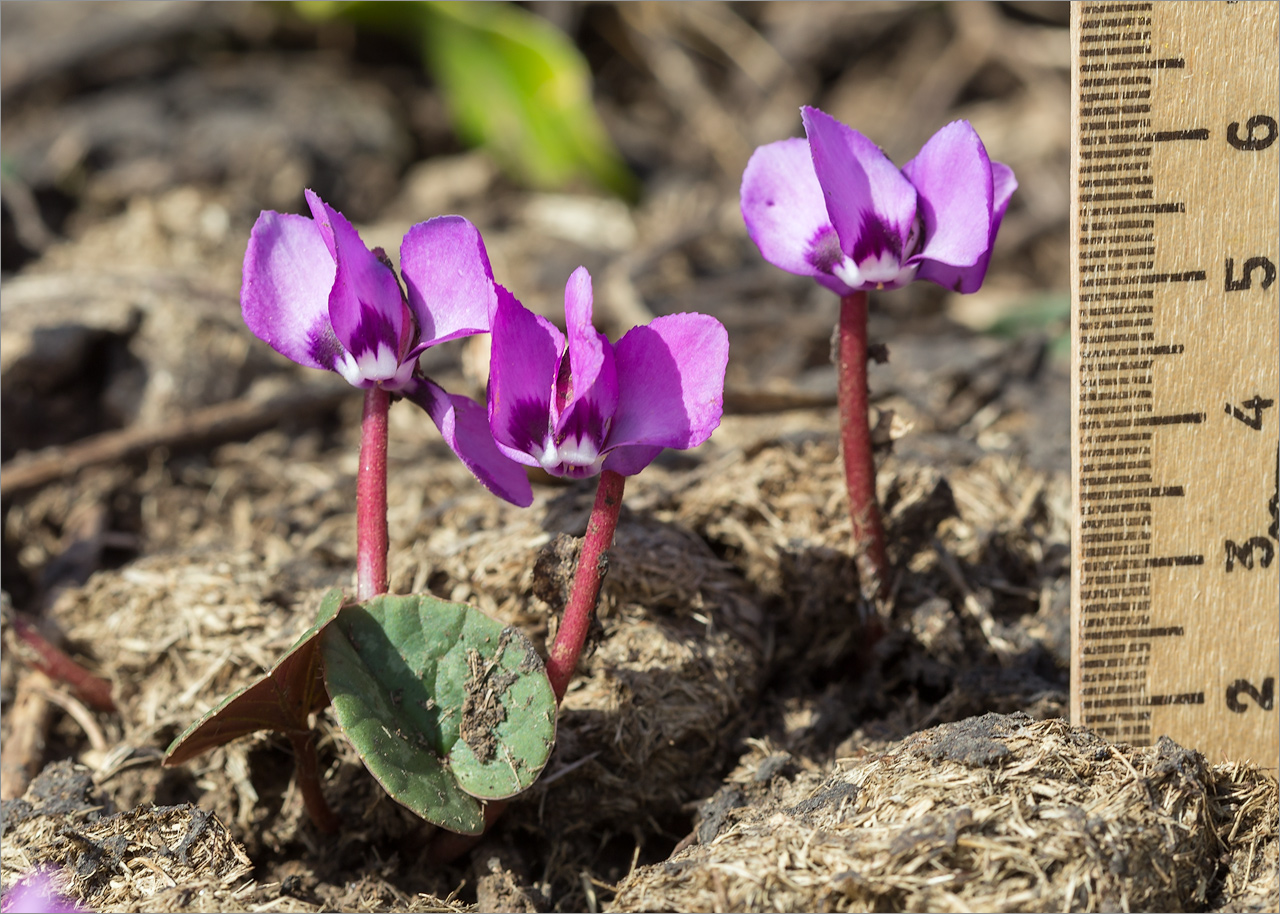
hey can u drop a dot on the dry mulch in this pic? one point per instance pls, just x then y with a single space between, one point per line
737 739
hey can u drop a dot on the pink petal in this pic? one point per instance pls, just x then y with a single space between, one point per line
871 205
464 424
39 891
284 296
525 356
592 393
366 308
670 382
953 177
320 213
1003 184
785 212
448 278
969 279
630 459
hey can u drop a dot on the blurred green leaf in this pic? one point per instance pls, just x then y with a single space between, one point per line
515 85
1048 314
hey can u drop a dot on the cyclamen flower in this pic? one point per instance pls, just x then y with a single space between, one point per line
580 405
317 295
835 208
38 892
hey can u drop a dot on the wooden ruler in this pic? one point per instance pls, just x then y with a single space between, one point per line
1176 363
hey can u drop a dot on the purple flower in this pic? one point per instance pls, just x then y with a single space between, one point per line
835 208
316 294
577 406
37 893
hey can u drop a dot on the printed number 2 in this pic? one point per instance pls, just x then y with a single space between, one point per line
1264 697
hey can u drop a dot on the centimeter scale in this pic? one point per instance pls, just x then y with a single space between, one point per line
1176 375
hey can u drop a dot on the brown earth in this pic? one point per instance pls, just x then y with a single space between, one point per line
177 498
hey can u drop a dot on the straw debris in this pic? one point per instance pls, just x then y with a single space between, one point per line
994 813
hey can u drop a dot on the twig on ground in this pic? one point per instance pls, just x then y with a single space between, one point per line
80 714
221 422
31 716
22 755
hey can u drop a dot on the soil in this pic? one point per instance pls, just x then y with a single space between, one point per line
177 498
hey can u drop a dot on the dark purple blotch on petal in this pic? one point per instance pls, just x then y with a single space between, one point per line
584 423
323 345
527 425
824 250
373 329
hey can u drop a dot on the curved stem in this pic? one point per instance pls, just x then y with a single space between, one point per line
371 497
592 564
855 441
308 766
54 663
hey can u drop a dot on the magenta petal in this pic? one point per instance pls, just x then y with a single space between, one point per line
448 278
871 205
320 213
284 296
464 424
39 891
670 382
525 355
783 207
1003 184
592 393
631 459
952 174
969 279
365 305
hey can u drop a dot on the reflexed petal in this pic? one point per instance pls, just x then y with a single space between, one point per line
465 427
320 213
670 382
592 393
285 292
365 305
969 279
871 205
785 213
966 279
448 278
952 175
1003 184
525 355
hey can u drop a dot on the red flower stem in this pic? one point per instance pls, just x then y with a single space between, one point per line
371 578
586 583
308 764
50 660
855 441
371 497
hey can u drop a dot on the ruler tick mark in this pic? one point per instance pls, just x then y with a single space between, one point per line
1165 136
1178 419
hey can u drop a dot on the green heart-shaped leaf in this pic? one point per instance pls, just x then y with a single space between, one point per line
281 700
444 704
